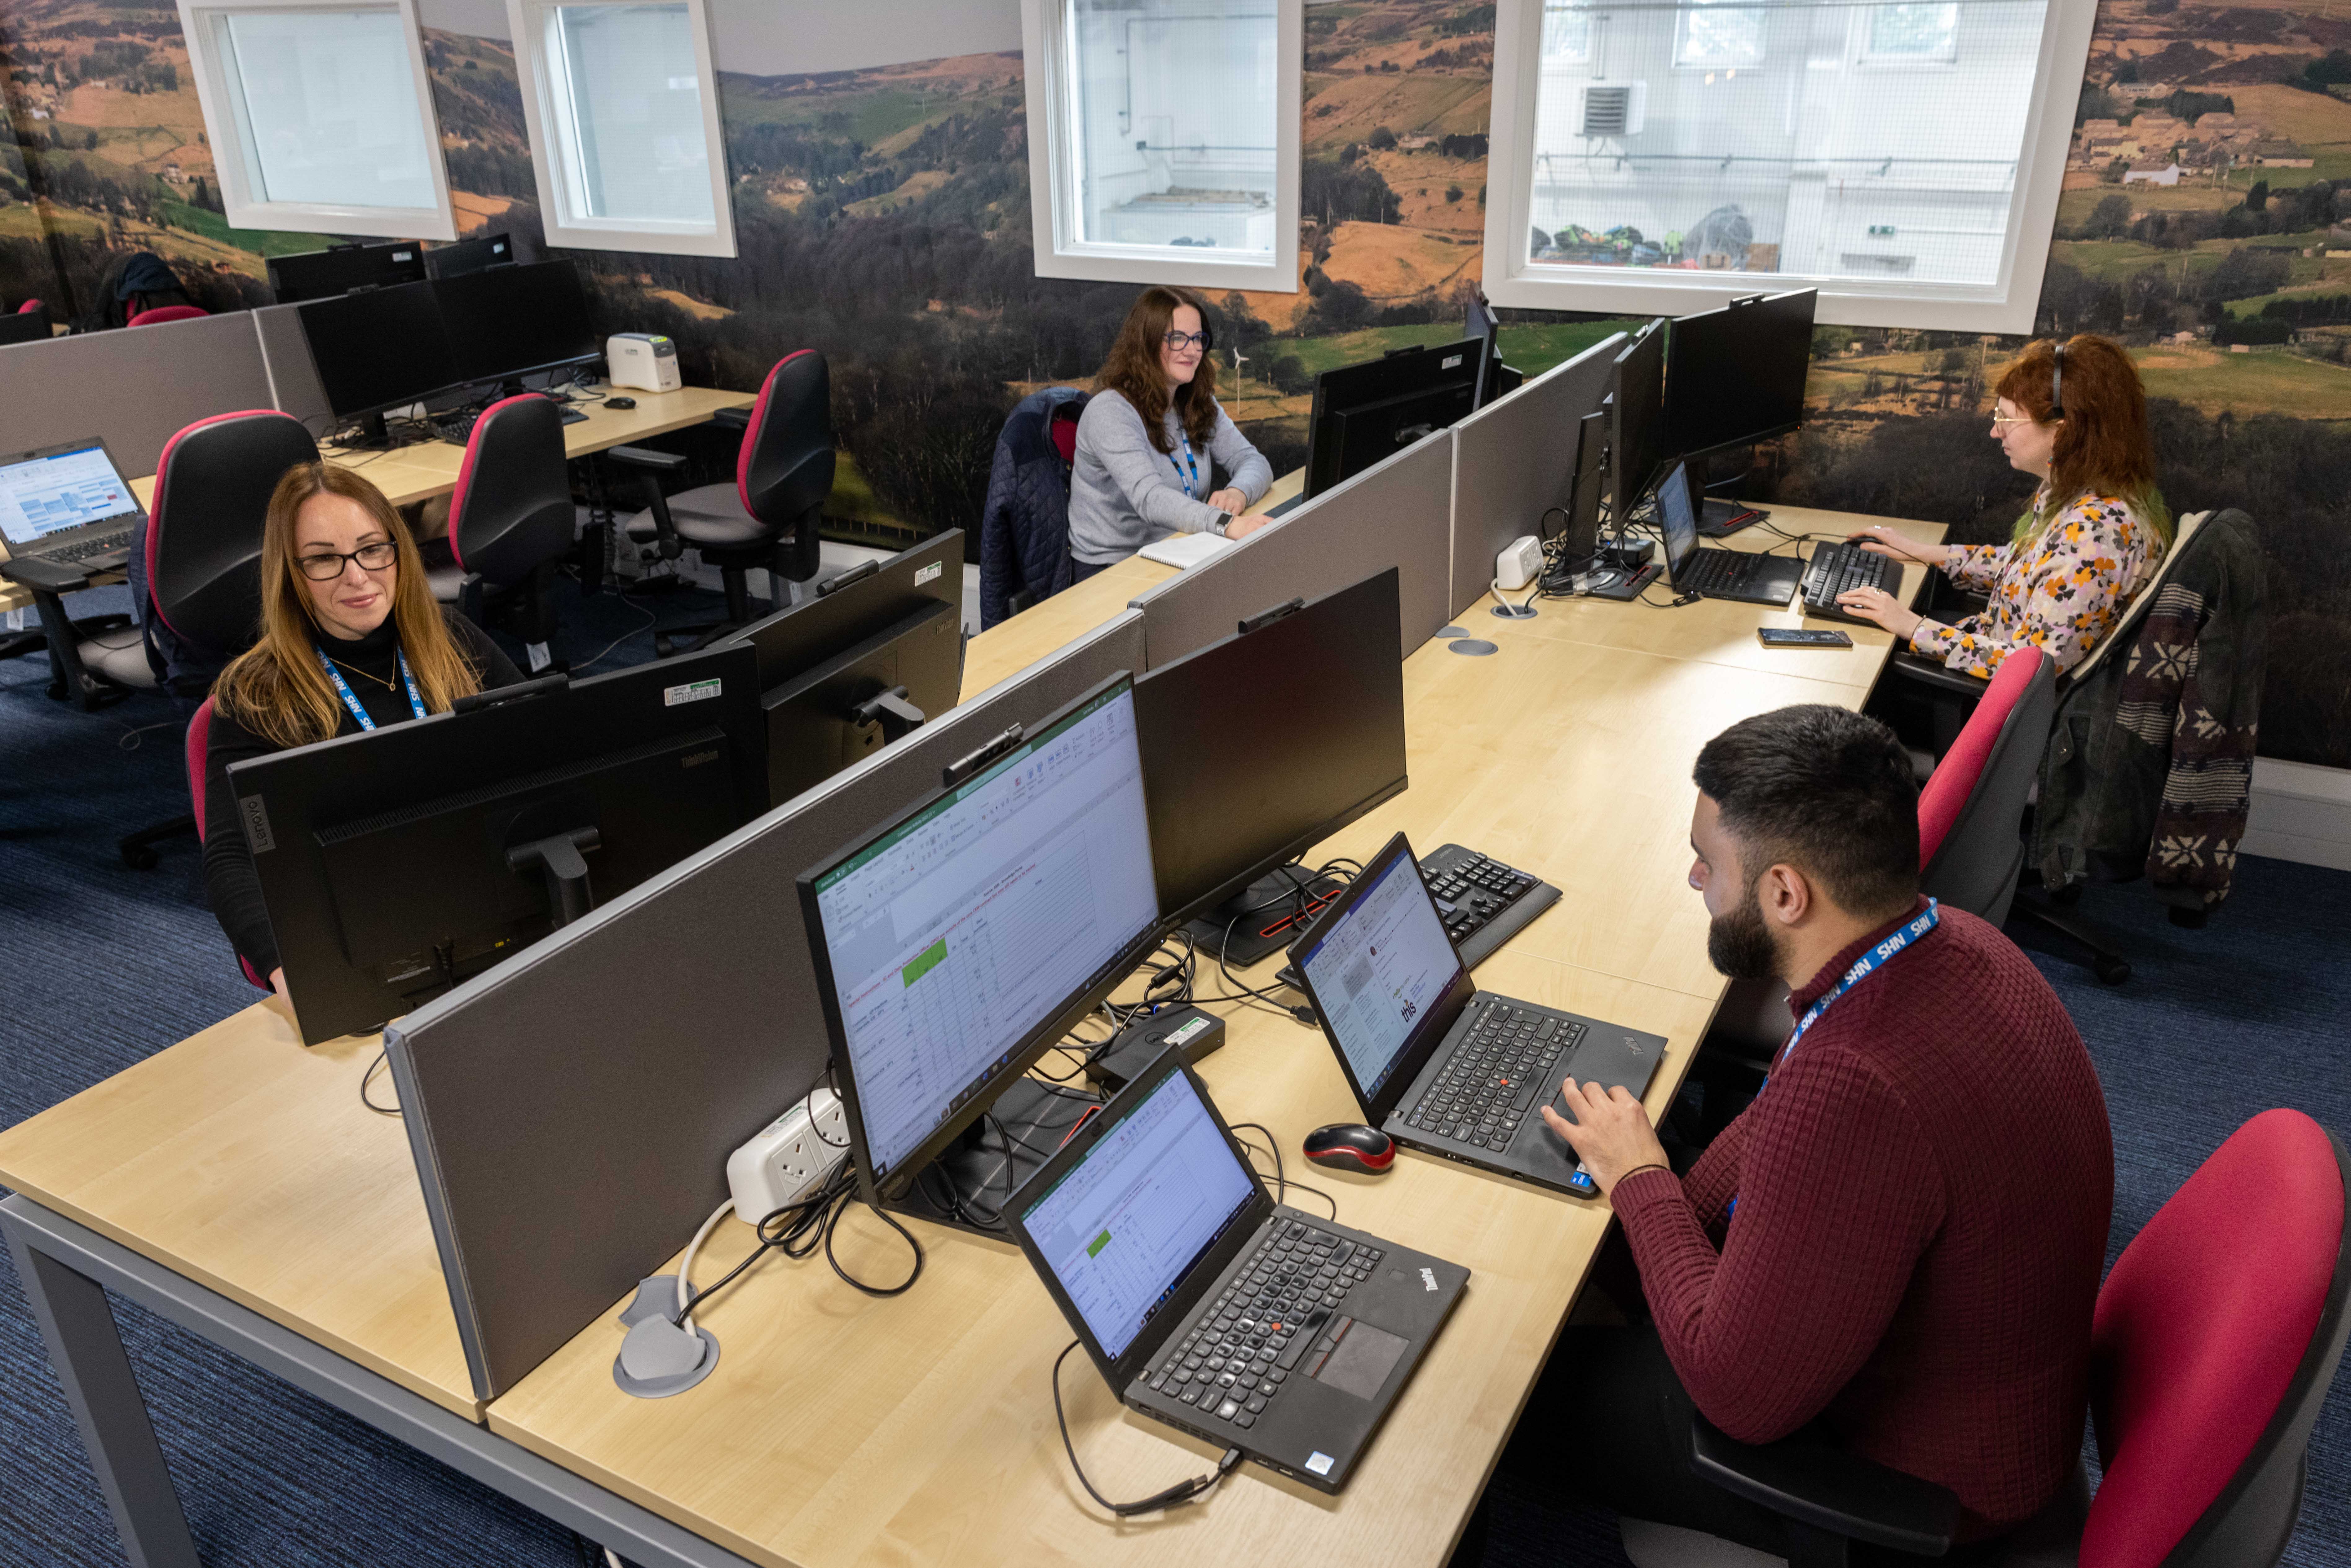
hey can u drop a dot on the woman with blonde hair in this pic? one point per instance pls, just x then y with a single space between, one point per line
2074 414
350 640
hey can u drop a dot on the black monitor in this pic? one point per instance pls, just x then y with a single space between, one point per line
512 321
1737 375
1478 321
1579 539
465 255
24 327
1258 746
378 350
1636 429
1366 413
958 942
323 274
399 862
877 652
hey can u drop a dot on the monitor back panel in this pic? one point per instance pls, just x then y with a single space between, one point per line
610 1068
1514 459
294 384
138 387
1396 515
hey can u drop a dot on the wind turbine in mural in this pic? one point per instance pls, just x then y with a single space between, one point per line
1240 359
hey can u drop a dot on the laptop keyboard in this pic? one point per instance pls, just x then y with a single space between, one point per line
1281 1305
1715 571
1489 1083
89 548
1837 569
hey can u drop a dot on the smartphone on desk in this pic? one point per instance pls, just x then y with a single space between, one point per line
1801 637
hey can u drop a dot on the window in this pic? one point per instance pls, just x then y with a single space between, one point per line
624 118
1662 156
320 117
1163 140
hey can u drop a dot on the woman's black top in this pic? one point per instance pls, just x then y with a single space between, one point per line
230 880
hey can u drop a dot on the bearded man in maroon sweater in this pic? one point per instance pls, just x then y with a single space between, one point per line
1897 1245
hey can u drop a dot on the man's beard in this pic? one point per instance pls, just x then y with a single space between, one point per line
1740 945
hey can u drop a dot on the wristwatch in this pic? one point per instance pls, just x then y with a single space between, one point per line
1224 521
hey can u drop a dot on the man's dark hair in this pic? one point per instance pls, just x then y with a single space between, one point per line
1826 791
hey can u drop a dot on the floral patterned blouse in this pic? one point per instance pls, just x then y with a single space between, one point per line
2061 590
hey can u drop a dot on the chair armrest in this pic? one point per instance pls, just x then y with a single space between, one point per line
1830 1490
647 457
45 577
1942 676
735 419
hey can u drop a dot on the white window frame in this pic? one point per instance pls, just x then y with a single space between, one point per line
1053 179
2005 305
232 159
527 20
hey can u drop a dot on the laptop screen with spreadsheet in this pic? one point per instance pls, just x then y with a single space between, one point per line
42 494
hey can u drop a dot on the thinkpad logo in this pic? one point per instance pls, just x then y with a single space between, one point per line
1428 1278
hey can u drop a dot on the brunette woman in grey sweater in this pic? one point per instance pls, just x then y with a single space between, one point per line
1150 437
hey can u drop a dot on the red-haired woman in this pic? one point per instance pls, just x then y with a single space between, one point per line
2074 414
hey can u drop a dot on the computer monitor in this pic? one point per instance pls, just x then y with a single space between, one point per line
1581 532
954 943
465 255
24 326
877 652
1737 375
396 863
380 350
1637 430
1365 414
1677 511
1480 322
323 274
513 321
1257 747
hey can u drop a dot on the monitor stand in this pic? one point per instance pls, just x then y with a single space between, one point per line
558 856
1269 901
967 1184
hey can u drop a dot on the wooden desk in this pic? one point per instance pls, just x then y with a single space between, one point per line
1012 646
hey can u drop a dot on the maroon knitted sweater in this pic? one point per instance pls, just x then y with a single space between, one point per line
1924 1189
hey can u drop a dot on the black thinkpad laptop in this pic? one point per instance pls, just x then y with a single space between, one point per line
66 504
1749 577
1203 1303
1436 1065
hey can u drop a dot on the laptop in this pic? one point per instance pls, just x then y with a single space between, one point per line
1207 1305
1183 551
1437 1065
1745 576
68 505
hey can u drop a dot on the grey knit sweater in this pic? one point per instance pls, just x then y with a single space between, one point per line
1124 492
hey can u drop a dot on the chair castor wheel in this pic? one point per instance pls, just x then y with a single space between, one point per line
139 857
2110 971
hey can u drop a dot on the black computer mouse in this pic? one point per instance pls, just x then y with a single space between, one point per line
1351 1147
619 403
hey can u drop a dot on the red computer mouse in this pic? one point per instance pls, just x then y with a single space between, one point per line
1351 1147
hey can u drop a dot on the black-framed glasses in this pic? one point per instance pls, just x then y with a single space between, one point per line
1180 341
328 565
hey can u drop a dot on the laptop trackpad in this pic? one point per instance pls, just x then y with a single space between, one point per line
1361 1363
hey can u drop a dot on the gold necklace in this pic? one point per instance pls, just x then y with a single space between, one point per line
354 670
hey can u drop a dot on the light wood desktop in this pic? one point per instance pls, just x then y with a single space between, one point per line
838 1428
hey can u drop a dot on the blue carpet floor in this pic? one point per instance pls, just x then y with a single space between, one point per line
105 966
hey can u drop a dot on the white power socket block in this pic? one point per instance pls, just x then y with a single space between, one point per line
1520 563
791 1157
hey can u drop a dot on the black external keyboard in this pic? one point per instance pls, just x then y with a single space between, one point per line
1474 891
1837 569
1281 1305
456 429
89 548
1491 1083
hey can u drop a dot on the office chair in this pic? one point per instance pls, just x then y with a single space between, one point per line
199 739
162 313
509 519
2215 1338
769 517
1024 527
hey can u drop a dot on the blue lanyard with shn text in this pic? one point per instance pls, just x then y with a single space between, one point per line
1863 967
1193 479
343 690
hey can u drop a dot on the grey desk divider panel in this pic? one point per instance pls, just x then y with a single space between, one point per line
1397 514
137 386
571 1111
294 383
1516 457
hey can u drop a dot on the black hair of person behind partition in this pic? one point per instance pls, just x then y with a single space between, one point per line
141 280
1826 790
1133 370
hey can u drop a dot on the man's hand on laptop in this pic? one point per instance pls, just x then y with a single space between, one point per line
1611 1132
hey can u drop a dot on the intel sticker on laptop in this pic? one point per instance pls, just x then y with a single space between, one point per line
697 692
1320 1463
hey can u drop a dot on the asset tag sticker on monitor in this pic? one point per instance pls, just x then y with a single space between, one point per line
699 691
929 573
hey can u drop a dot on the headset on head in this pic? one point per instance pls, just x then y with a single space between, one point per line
2057 385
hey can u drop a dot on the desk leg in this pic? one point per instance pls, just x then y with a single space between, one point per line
85 1349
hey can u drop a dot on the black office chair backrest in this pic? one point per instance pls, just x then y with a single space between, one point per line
512 506
203 531
784 472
